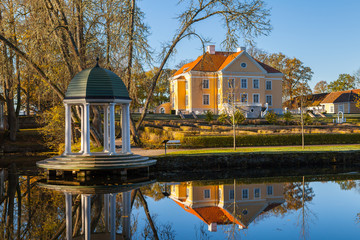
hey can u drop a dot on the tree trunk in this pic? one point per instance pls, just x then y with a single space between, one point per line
147 212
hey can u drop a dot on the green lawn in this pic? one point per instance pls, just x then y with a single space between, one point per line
271 149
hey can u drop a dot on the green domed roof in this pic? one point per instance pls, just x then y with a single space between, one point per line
96 83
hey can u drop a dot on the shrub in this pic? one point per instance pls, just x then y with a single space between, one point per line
271 117
307 119
223 118
209 116
239 117
269 140
288 117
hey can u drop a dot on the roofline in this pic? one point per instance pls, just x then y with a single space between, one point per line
251 59
102 100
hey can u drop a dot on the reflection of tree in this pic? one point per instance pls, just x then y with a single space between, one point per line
201 233
293 195
151 229
347 184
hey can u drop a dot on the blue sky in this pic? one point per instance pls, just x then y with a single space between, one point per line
323 34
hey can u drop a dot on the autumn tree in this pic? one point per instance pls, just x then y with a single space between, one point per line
344 82
321 87
296 75
247 19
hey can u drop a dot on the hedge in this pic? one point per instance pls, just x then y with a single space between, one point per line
269 140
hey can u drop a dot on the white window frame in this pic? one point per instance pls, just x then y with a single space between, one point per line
266 85
253 97
218 83
186 85
186 100
205 193
272 190
267 100
232 96
219 193
187 192
173 102
258 83
332 108
233 194
208 95
247 97
242 193
241 83
255 197
231 83
207 85
218 98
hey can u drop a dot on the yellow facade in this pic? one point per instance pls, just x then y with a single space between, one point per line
254 84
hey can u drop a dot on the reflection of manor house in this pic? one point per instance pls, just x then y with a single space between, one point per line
214 204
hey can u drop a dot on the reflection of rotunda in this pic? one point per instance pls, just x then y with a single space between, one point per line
102 89
104 208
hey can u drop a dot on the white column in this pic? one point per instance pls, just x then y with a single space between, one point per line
86 129
82 128
82 214
106 212
126 204
126 146
112 129
68 212
106 128
87 216
112 216
67 129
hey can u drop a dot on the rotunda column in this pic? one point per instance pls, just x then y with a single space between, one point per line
112 129
106 128
82 128
86 120
68 213
112 216
67 129
126 146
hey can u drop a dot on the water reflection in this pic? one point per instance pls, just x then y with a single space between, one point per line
96 206
223 204
35 208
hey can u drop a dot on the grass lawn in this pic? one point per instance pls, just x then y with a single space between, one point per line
317 148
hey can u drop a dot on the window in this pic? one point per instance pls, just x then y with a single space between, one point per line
245 193
231 83
268 85
218 98
173 188
187 192
269 99
255 83
269 190
244 97
206 83
231 194
162 110
256 98
231 97
220 193
218 83
186 85
244 83
257 193
186 100
173 102
172 88
243 65
341 108
206 100
207 193
332 108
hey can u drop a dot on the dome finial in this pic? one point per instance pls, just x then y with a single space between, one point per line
97 62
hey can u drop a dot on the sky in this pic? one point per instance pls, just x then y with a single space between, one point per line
323 34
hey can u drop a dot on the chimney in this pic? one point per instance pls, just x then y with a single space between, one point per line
210 49
241 49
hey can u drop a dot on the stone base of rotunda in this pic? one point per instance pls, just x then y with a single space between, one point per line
88 167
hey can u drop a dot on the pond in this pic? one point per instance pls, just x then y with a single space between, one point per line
321 206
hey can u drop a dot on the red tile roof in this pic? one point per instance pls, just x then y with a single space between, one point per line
342 96
216 62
